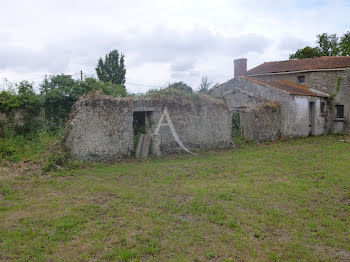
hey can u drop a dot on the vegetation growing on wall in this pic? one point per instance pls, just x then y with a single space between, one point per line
337 88
181 86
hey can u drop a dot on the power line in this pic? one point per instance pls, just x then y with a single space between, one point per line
84 75
143 85
134 84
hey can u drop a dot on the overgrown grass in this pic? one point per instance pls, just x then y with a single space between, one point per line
30 147
284 201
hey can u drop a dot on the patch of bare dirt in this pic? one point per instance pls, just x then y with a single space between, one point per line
10 169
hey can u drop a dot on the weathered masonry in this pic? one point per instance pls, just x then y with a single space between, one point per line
310 97
328 74
294 110
103 127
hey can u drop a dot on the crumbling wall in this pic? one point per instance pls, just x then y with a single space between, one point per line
334 82
241 95
261 123
101 127
202 123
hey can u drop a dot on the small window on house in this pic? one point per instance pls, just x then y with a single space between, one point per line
322 107
339 111
301 79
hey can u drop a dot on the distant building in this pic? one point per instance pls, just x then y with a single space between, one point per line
313 93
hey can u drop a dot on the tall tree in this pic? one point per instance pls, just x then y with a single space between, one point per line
327 45
306 52
59 93
112 69
344 44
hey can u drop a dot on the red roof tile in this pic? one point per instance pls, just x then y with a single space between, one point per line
324 62
291 88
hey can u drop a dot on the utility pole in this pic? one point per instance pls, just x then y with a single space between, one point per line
81 75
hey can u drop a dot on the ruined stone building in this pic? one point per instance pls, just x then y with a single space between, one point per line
277 99
103 127
312 96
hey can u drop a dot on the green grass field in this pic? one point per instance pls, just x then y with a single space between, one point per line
284 201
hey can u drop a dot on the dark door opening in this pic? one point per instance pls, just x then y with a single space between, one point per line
311 118
236 130
139 122
141 125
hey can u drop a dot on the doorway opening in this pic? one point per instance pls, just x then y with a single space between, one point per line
141 125
311 118
236 125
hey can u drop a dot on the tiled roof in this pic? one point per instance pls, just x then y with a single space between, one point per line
291 88
324 62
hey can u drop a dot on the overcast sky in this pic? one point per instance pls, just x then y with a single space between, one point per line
163 40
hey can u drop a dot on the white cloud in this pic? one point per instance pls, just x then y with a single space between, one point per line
163 40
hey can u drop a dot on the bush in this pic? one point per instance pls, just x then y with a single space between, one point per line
60 92
22 110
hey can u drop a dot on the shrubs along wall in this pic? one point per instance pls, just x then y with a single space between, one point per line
103 127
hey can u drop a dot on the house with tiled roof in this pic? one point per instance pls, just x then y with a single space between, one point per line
313 95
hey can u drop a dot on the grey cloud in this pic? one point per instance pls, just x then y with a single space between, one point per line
167 45
291 44
181 49
26 60
182 64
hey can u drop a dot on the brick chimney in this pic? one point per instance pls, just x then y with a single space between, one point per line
240 67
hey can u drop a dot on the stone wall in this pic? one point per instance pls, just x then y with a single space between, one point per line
341 97
241 94
324 81
327 82
101 127
262 123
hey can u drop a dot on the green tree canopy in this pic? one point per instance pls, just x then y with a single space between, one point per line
24 98
306 52
327 45
344 45
112 69
108 88
60 92
181 86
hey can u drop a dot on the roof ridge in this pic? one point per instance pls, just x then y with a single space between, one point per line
305 64
286 86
